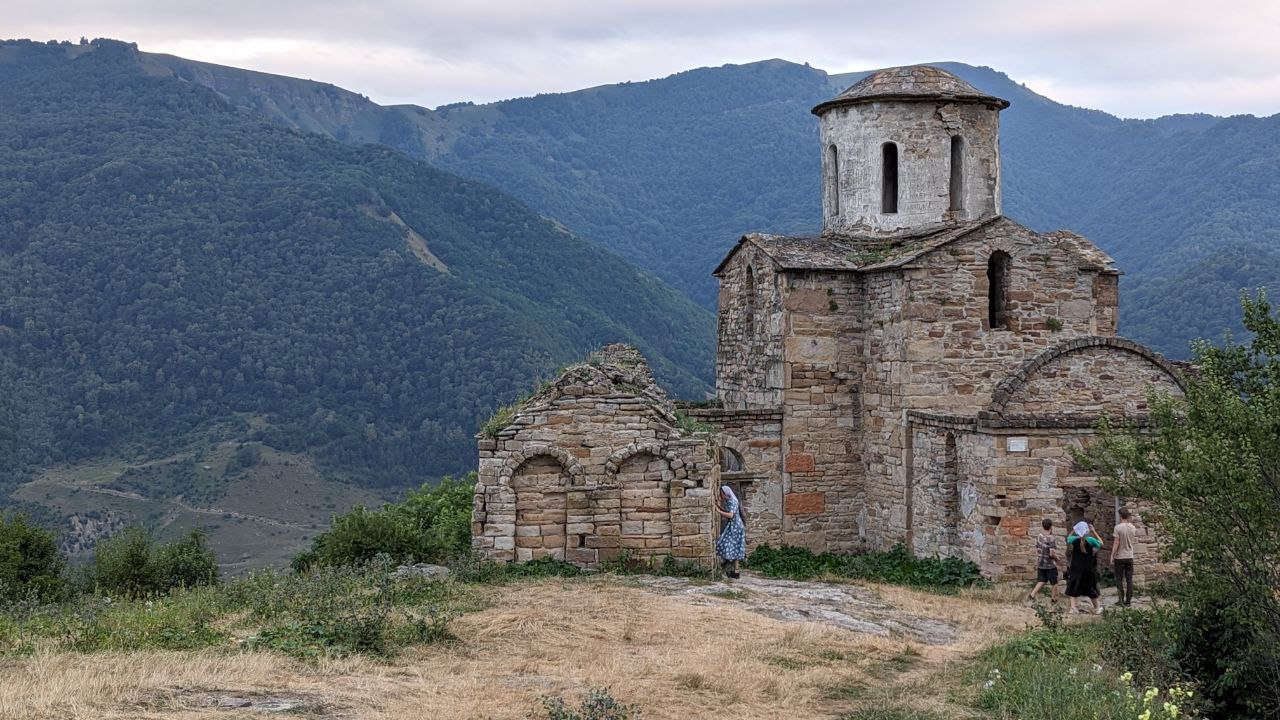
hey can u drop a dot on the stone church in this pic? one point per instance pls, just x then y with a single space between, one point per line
916 373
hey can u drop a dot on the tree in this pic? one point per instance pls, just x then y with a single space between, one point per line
1209 465
30 564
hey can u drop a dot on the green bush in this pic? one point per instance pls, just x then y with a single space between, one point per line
1144 642
332 611
432 524
670 566
897 566
132 564
472 568
597 704
1050 675
30 564
1207 468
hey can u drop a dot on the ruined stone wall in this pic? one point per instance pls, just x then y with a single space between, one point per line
822 373
756 437
922 132
585 478
1004 494
930 345
749 333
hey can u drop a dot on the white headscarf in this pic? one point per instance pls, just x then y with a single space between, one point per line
1081 529
728 491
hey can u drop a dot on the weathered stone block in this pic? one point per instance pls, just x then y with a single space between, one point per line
805 503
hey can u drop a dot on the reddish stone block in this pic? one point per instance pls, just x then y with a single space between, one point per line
805 503
799 462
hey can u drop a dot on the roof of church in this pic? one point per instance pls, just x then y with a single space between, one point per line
869 252
910 82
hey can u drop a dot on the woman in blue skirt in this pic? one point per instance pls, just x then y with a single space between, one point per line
732 545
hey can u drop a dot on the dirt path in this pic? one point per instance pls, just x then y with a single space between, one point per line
183 505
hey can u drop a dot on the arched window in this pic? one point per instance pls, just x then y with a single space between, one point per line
749 299
889 179
833 182
731 461
998 290
957 173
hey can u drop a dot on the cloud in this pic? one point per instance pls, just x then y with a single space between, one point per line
1130 57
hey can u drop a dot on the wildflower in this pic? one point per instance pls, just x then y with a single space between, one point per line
1171 711
1150 695
1126 678
988 684
1146 714
1097 668
1073 671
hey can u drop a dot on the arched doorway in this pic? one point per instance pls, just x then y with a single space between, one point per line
644 481
541 485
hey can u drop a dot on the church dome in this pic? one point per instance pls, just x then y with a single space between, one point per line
911 82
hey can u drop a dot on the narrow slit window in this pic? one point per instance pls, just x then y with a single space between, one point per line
889 179
957 173
749 299
998 290
833 159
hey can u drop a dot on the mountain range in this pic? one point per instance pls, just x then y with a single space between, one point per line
203 303
246 301
669 173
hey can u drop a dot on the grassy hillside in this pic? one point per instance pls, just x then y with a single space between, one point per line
670 172
176 267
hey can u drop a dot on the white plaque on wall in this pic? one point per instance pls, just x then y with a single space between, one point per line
1017 444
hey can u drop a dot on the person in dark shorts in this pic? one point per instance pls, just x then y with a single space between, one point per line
1046 562
1122 557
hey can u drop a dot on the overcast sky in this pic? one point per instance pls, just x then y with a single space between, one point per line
1135 58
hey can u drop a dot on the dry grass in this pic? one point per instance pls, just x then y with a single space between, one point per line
671 656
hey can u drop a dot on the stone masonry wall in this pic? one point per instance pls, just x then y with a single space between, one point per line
922 132
756 436
749 333
822 456
930 346
1091 381
592 468
1009 493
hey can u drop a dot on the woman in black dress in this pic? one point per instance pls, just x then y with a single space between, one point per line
1082 570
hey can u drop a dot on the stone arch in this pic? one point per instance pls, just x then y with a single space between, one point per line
1010 386
621 455
644 480
539 486
520 457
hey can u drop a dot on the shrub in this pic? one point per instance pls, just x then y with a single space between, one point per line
345 610
597 704
1208 467
670 566
1049 675
897 566
472 568
1144 643
30 564
185 562
131 563
431 524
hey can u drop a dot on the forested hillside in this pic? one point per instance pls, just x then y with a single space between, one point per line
670 172
170 262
